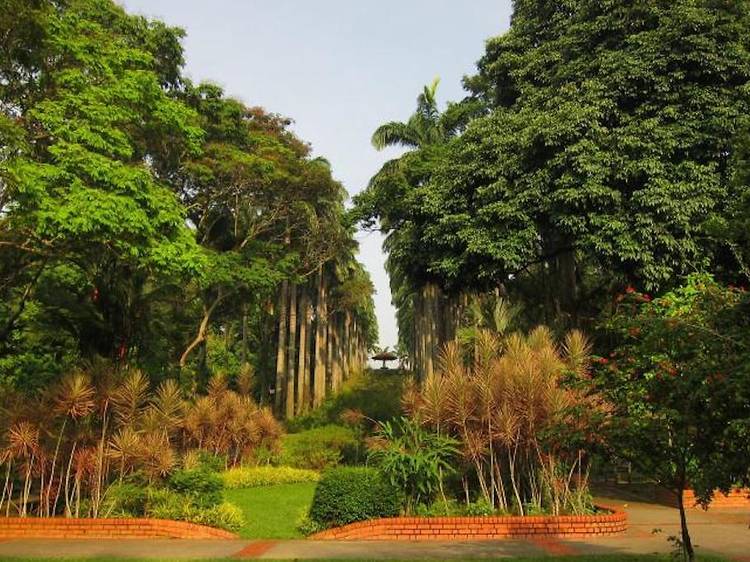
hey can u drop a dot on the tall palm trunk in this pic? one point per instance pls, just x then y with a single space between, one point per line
291 363
321 324
345 358
303 362
282 315
330 327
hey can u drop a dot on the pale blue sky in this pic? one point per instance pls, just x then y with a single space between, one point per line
339 68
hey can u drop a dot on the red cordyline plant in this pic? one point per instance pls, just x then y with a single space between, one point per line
503 399
62 450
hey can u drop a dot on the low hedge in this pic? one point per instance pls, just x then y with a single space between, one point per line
348 494
251 477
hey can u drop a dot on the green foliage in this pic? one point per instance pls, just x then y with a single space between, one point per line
678 388
319 448
413 458
376 395
224 516
679 382
612 144
204 488
253 476
348 494
137 206
185 499
126 500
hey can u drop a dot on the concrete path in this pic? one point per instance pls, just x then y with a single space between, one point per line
719 532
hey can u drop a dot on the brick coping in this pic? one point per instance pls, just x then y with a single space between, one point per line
124 528
481 528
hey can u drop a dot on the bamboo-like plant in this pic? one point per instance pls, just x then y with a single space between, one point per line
99 426
500 397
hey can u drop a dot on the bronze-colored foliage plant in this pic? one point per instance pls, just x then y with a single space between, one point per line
503 398
63 449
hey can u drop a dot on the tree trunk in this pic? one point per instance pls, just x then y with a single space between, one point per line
303 363
202 329
336 361
291 363
330 380
687 544
345 358
321 322
281 350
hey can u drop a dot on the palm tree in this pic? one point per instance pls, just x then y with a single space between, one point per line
390 198
427 126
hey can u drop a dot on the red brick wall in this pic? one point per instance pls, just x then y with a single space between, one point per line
479 528
735 498
738 498
59 527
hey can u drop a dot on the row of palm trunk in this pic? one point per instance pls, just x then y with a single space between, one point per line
437 320
319 345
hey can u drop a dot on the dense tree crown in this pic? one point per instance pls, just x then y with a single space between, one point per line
155 222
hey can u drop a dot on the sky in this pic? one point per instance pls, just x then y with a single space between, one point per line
339 68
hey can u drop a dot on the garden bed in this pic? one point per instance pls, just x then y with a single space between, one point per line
480 528
68 528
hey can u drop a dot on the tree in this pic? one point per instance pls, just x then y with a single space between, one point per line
395 198
605 156
87 226
678 388
150 220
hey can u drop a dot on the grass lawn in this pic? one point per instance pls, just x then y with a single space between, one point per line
272 512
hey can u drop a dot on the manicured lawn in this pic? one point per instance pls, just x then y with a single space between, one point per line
272 512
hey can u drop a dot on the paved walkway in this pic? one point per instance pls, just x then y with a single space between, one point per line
720 532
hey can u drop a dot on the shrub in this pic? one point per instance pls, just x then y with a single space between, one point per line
250 477
348 494
202 487
168 504
319 448
413 458
204 460
125 500
376 395
223 516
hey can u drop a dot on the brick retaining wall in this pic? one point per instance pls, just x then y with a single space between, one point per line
479 528
735 498
59 528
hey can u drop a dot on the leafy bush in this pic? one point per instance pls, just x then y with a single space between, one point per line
223 516
413 458
204 460
250 477
191 495
376 395
202 487
348 494
125 500
319 448
480 508
163 503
